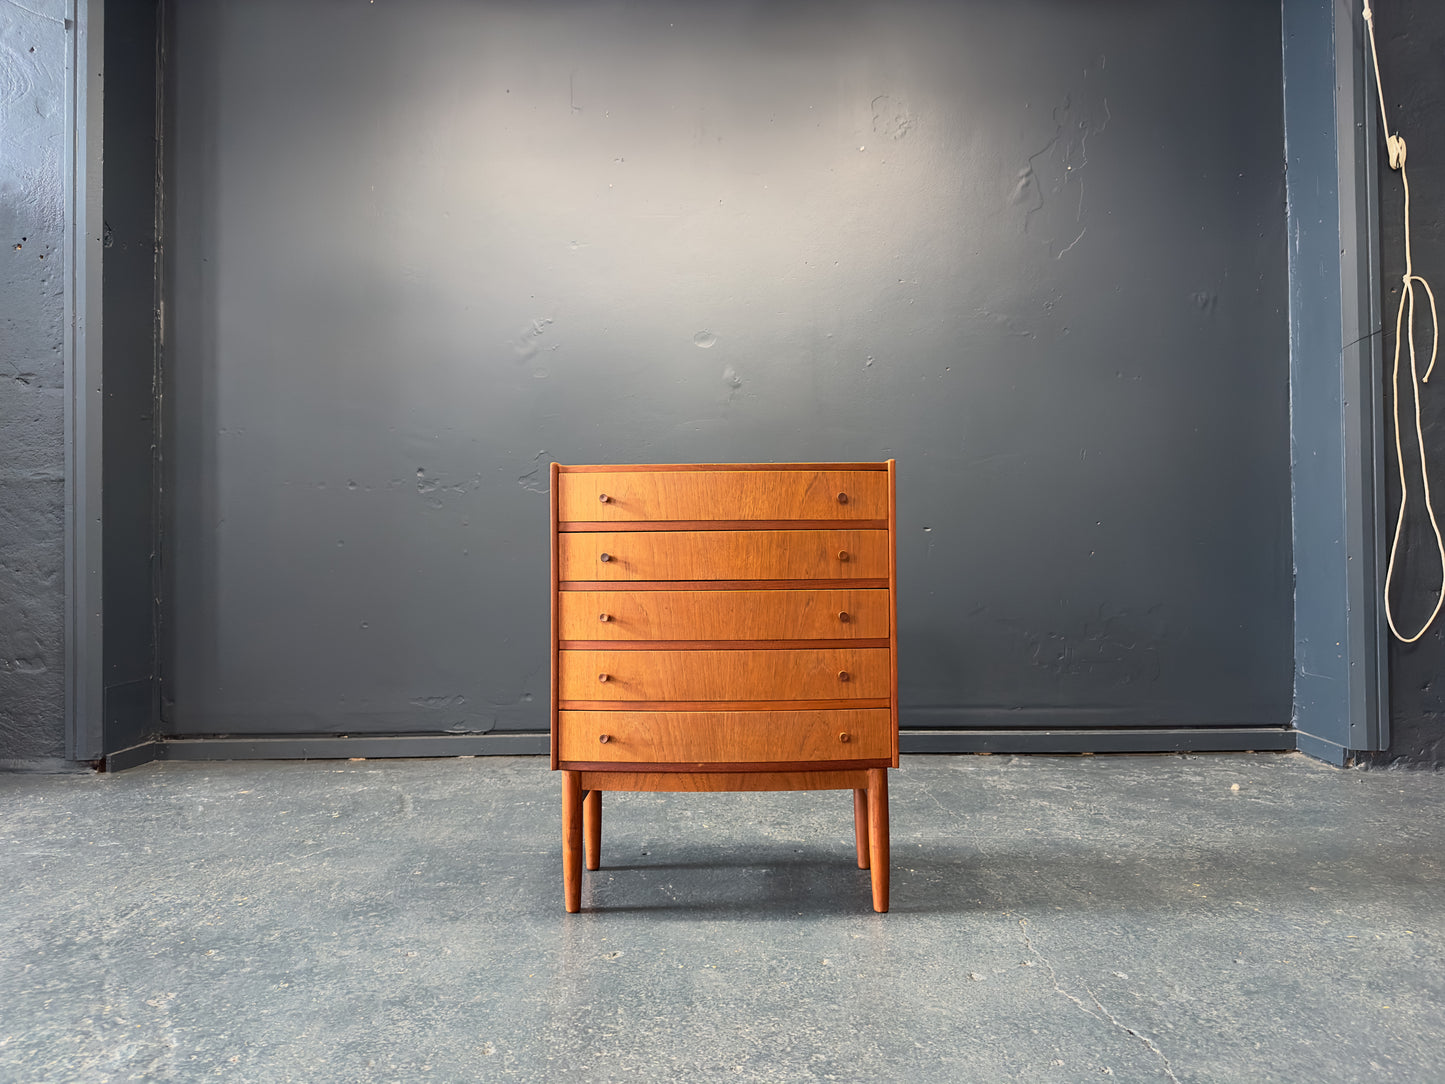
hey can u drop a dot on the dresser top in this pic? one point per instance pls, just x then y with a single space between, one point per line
594 468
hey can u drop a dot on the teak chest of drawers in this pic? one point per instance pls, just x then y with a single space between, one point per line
723 627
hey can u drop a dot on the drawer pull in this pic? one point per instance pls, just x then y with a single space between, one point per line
842 498
604 498
604 557
842 555
844 737
842 675
604 617
604 738
843 616
604 677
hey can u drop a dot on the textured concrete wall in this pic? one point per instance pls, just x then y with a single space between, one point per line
1411 36
32 429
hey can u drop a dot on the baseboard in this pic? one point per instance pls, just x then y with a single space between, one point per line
531 743
1321 749
1100 740
326 747
132 756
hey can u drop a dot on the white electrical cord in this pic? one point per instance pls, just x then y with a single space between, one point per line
1396 146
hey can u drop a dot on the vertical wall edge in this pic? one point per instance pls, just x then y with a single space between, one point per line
1362 400
84 94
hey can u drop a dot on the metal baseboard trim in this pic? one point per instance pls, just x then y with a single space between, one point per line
1324 750
133 756
1081 740
1162 717
344 748
1092 740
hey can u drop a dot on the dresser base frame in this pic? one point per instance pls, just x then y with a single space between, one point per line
582 812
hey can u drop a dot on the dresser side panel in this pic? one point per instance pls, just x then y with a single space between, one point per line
553 474
893 597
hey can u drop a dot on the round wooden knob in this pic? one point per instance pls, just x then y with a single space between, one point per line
604 557
842 675
604 617
843 737
604 738
604 498
842 555
842 498
843 616
604 677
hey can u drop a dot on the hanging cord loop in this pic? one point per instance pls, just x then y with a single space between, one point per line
1405 321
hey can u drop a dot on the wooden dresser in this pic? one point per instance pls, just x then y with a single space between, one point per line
723 627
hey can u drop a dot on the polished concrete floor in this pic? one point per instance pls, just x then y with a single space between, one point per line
1211 918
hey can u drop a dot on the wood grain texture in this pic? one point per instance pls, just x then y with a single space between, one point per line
728 525
555 568
572 841
683 468
715 645
724 555
893 597
722 781
707 653
723 615
592 828
736 495
724 675
681 766
722 705
725 737
878 836
876 583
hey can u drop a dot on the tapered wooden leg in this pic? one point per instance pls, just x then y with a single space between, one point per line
572 841
860 826
878 835
592 827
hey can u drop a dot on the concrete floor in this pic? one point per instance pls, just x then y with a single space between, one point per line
1054 919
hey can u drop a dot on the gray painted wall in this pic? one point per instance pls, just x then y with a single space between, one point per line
1034 251
32 383
129 303
1335 421
1412 48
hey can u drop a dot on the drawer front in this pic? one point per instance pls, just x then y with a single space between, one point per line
723 615
741 675
632 496
723 555
724 737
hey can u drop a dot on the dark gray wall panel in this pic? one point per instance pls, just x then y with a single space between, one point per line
32 384
129 277
1034 251
1411 37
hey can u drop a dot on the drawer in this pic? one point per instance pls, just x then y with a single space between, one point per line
630 496
724 737
723 555
723 615
736 675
